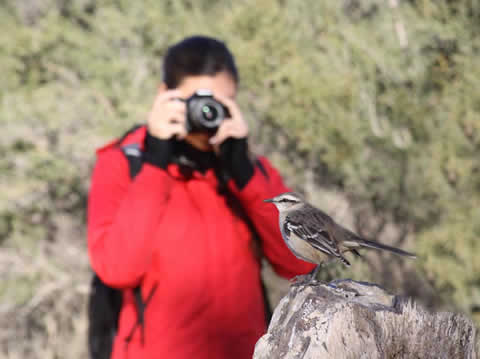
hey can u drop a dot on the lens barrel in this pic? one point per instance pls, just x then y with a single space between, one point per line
204 113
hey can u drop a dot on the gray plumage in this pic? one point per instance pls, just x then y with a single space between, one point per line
314 236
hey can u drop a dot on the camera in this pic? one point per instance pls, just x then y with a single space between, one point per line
204 113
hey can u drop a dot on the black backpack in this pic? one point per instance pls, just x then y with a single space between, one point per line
105 302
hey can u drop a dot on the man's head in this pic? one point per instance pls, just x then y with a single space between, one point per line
197 56
200 62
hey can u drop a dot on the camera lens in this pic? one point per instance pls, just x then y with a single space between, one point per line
204 113
209 112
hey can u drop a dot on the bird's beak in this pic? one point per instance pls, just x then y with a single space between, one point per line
270 200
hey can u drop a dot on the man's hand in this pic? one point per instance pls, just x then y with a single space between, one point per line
230 144
234 127
167 117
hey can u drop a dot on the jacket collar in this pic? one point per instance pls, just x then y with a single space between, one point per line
183 167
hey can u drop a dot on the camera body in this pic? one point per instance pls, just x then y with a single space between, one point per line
204 113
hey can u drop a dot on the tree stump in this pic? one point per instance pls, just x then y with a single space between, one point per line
349 319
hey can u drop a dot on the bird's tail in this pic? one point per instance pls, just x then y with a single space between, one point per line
360 242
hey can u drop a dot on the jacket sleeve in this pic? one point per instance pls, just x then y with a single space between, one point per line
122 216
266 183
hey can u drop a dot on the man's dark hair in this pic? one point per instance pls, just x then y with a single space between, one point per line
195 56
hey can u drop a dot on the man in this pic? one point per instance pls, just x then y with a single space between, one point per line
180 229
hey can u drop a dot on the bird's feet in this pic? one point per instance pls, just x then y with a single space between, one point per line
306 279
300 280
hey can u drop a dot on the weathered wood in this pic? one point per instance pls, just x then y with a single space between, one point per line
349 319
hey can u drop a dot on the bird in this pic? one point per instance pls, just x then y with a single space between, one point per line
313 236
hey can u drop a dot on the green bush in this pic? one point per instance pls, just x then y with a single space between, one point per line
375 103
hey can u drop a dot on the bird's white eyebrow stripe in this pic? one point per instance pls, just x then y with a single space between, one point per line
288 199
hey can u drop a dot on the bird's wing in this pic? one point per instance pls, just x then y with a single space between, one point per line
313 225
311 238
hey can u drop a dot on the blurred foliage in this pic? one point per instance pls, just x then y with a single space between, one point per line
374 101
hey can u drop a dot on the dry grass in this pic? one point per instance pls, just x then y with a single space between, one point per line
43 299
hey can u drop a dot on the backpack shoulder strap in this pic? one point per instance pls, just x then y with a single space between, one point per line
134 156
262 168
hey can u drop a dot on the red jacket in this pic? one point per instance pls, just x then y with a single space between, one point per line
180 235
